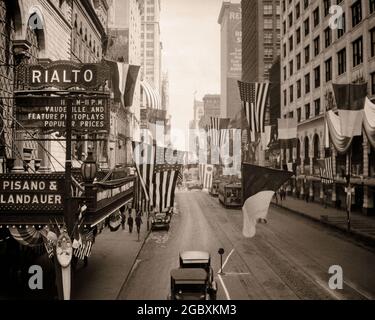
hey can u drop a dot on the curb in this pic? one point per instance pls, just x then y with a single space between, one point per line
133 264
358 235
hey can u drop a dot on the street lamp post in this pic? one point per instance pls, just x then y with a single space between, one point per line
89 169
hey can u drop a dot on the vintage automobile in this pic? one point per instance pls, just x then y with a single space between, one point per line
194 185
194 279
191 284
161 220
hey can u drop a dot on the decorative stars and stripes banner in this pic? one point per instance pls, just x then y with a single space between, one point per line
326 170
254 100
217 130
85 245
158 170
165 181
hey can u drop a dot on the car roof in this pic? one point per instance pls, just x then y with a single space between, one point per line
189 275
195 256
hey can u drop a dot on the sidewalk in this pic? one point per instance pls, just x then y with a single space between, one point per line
112 259
362 227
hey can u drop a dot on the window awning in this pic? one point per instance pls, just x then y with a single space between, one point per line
151 97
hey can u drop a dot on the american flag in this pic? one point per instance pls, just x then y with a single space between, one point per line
165 180
326 170
84 250
217 130
254 99
208 176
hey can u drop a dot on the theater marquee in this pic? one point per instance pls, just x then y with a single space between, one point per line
49 113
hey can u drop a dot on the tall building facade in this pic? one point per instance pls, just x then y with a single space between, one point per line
211 105
231 56
314 56
261 38
151 46
124 45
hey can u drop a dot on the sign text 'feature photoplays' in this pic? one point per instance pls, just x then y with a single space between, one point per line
49 113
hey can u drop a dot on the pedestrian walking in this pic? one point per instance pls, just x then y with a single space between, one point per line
138 222
130 223
123 217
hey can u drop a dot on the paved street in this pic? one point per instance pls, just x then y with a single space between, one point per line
288 259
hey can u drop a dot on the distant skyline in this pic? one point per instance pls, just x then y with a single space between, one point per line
191 54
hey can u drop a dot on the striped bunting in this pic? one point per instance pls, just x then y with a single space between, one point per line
254 100
217 130
326 170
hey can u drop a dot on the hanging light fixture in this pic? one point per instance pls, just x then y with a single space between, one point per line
89 168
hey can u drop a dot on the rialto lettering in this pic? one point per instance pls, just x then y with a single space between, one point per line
59 75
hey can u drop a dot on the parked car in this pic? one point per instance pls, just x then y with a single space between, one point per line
161 221
194 279
190 284
194 185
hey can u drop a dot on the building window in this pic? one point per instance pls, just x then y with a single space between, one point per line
372 6
299 115
316 16
267 9
284 73
357 51
291 93
327 37
284 6
284 50
299 89
307 111
307 83
298 10
373 83
327 5
284 27
316 46
305 3
341 61
317 107
356 13
317 77
268 37
298 61
307 54
267 23
306 25
328 67
284 98
290 43
341 26
372 39
291 67
298 35
290 19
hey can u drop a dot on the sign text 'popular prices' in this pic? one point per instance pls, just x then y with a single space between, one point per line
49 113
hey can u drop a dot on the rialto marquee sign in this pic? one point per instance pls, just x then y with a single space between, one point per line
49 113
31 192
65 74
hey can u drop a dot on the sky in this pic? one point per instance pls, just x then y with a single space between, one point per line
190 35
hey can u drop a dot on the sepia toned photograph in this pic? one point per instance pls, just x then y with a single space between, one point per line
169 152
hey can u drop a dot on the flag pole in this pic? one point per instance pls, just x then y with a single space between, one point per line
348 189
